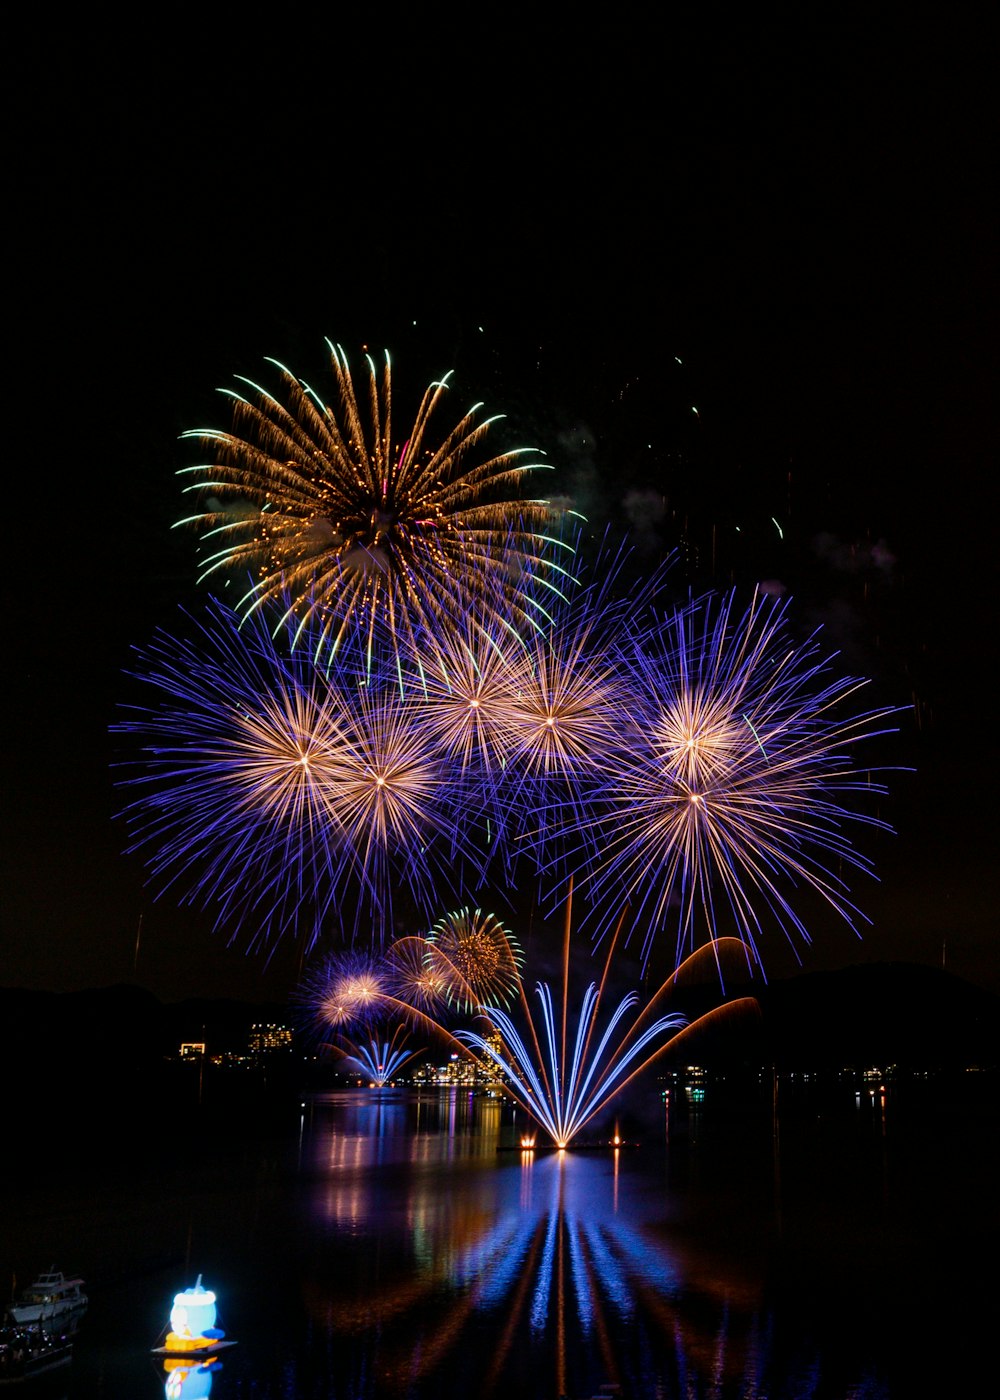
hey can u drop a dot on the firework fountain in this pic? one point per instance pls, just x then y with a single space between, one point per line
563 1078
378 1059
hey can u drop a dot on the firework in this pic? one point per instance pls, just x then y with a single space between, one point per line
563 1081
350 991
475 958
562 1097
417 979
468 675
525 714
335 520
568 701
467 678
560 1086
347 990
568 695
284 795
725 791
379 1060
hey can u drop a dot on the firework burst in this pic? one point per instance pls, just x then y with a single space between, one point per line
726 790
351 991
416 979
285 796
475 958
348 990
467 677
338 522
565 706
568 702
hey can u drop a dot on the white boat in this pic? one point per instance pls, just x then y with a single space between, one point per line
52 1298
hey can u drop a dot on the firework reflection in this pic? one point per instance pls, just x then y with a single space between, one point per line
543 1256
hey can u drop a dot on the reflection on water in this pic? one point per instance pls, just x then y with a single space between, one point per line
400 1244
537 1249
554 1272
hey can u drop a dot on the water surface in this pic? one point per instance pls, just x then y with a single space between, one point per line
385 1243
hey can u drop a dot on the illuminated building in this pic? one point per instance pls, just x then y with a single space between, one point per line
266 1038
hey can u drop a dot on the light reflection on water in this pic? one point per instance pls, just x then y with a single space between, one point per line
552 1272
403 1245
536 1243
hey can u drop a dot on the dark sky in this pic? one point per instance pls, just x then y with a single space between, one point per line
794 231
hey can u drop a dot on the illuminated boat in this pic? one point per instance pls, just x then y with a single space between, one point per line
52 1298
27 1353
193 1333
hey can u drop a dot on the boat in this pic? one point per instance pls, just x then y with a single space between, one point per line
51 1300
28 1353
193 1333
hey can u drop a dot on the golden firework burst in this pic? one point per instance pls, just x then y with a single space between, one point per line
334 519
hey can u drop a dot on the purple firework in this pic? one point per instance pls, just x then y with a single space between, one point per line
733 782
284 796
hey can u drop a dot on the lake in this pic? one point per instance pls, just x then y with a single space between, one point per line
389 1243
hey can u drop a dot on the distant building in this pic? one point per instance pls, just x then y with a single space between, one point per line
266 1039
467 1073
192 1049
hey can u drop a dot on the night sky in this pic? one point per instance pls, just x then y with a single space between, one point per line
600 231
